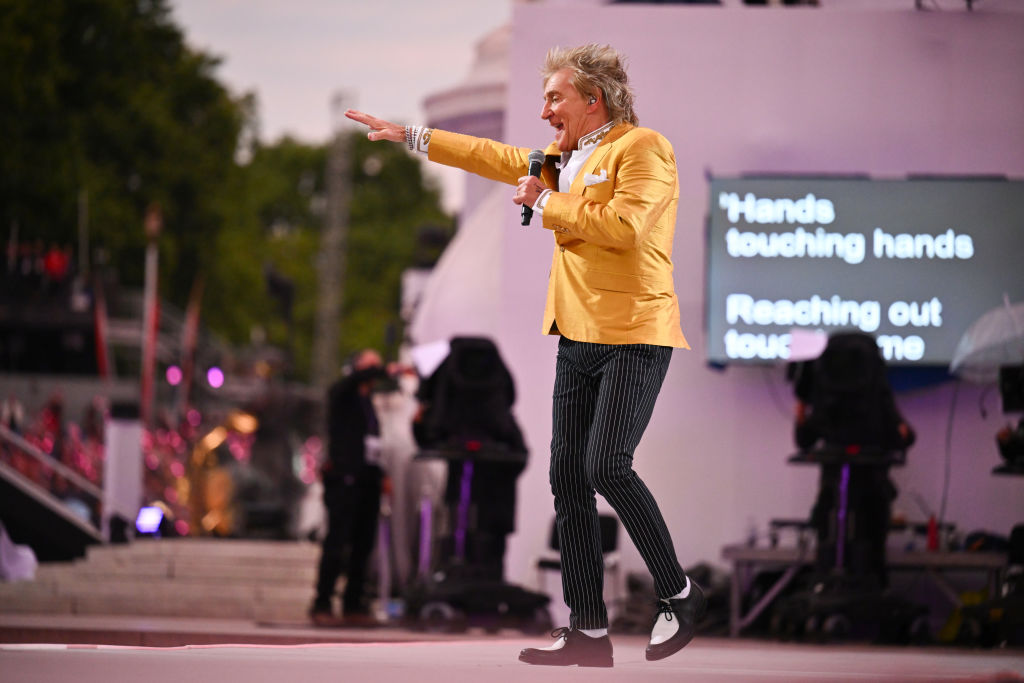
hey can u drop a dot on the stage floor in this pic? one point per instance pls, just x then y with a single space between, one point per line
492 659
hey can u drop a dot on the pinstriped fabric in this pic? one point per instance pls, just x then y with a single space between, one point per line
603 399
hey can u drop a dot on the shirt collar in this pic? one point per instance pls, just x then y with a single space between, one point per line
587 143
594 138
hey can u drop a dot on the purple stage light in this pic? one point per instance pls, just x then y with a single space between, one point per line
148 520
215 377
174 375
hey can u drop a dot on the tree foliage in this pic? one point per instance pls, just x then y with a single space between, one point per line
391 205
105 97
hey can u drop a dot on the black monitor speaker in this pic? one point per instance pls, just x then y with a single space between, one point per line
1011 387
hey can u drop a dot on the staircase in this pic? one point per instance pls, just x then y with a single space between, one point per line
267 581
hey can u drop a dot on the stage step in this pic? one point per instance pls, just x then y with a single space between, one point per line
227 579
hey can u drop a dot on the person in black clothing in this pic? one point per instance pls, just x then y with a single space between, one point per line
844 401
466 407
352 480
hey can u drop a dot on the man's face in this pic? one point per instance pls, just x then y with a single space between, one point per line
567 111
368 358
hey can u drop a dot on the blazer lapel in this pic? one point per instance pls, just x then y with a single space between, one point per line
551 158
594 162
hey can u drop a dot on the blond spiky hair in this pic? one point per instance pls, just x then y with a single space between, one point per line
596 68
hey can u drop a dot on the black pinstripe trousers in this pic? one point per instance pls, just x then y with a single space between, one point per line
603 399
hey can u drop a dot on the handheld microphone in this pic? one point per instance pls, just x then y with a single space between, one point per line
536 161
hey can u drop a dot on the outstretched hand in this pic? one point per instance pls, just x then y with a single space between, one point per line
379 128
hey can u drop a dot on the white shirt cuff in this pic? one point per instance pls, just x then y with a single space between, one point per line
418 138
542 200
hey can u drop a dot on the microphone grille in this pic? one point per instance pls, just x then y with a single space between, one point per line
537 156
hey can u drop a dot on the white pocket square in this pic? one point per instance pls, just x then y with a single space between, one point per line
591 179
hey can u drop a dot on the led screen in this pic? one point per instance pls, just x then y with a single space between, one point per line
912 262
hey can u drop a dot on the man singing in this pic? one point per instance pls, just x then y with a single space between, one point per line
608 191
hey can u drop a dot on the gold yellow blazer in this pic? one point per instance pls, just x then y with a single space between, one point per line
611 272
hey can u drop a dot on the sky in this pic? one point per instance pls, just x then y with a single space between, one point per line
296 55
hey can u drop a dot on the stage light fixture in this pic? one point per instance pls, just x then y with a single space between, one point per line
215 377
147 522
174 375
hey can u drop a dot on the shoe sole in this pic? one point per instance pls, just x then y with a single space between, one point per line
596 665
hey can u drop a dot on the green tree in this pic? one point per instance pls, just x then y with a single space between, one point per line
104 96
390 205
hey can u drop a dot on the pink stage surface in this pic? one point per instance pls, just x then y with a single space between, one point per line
493 660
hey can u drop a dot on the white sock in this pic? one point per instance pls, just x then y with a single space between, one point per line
685 593
663 628
594 632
